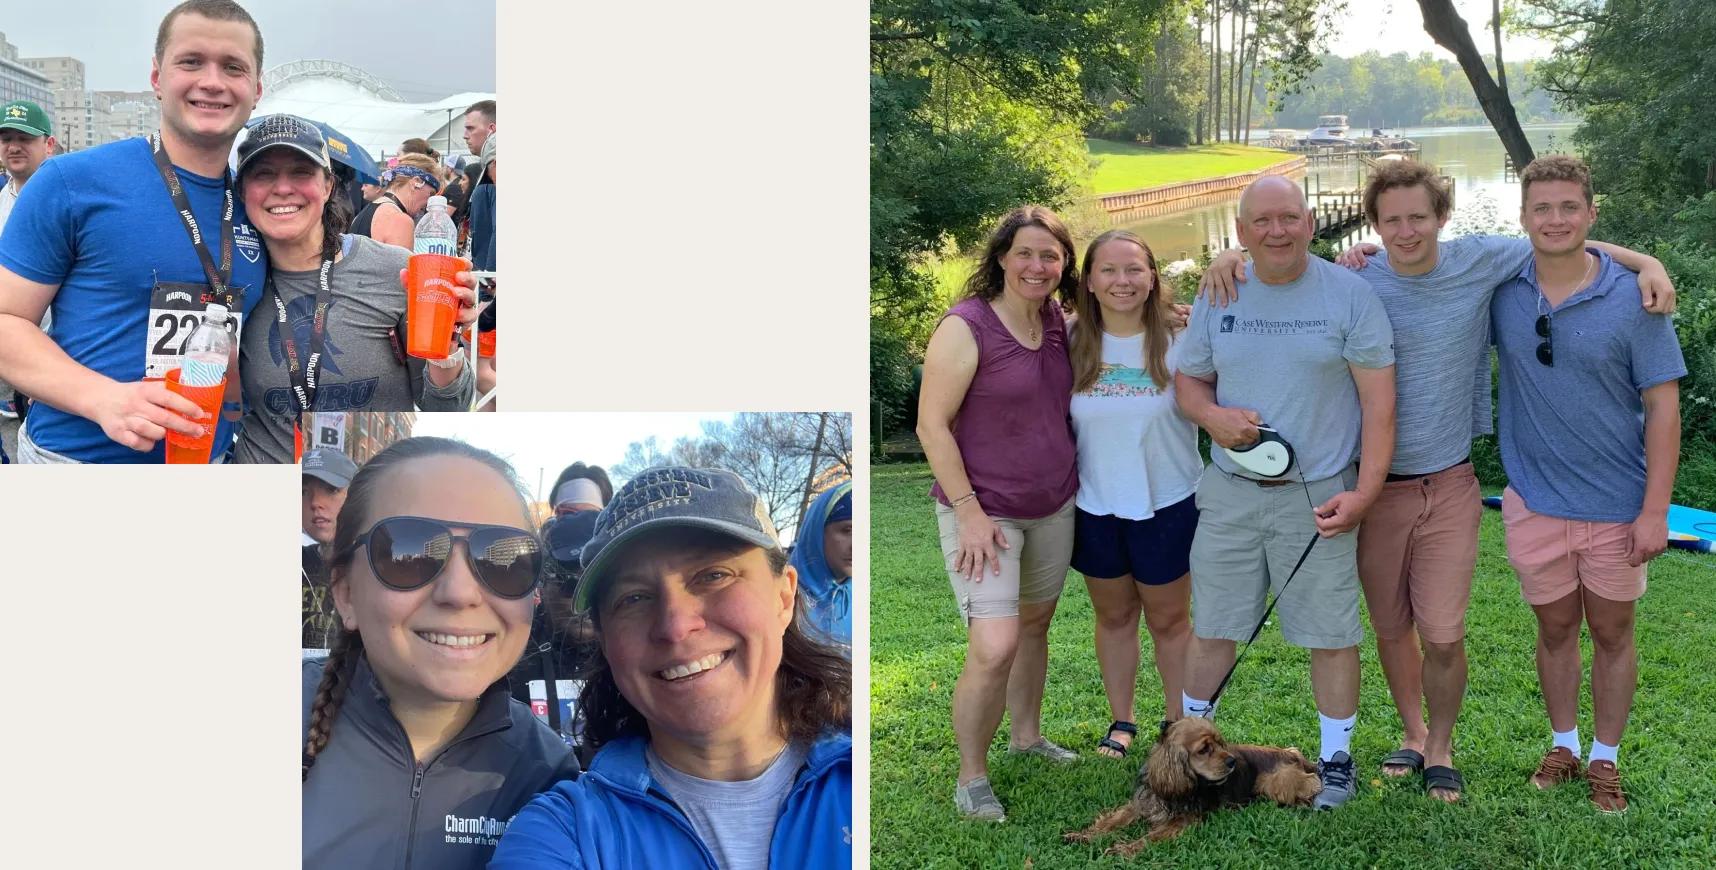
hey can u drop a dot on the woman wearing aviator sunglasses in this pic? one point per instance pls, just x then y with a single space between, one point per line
413 749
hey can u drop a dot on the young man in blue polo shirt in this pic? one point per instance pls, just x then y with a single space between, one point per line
128 242
1590 438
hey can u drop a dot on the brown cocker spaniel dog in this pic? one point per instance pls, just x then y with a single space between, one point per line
1192 771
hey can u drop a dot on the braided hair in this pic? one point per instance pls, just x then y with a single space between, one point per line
341 667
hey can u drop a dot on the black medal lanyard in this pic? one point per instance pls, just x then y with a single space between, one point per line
220 279
304 376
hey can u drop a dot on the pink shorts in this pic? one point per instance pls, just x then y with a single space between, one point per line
1555 557
1416 550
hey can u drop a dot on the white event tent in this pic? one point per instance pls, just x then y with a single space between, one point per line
363 107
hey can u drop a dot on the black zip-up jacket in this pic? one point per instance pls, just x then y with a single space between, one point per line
368 803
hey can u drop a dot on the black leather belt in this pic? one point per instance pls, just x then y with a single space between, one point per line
1261 482
1396 478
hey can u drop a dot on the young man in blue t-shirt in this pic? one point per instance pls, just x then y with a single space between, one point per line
1590 438
126 265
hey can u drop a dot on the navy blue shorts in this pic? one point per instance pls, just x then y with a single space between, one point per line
1155 551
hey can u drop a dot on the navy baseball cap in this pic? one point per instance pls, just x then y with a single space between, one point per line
329 466
284 131
672 497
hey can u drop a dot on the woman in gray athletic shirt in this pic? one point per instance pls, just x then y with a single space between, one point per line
285 177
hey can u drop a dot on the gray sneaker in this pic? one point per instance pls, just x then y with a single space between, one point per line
1046 749
976 800
1337 777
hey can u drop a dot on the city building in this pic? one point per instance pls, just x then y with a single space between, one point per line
19 82
132 113
81 119
369 432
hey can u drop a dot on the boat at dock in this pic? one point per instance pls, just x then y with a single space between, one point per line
1331 131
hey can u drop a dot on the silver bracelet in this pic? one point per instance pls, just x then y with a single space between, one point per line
453 360
963 499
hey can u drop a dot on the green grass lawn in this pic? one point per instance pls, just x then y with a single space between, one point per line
917 648
1121 167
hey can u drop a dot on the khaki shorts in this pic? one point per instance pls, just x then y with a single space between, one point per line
1554 557
1033 567
1416 552
1249 537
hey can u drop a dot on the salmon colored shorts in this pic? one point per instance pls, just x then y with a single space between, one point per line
1555 557
1416 551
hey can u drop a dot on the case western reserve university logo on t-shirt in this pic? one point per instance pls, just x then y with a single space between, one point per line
1267 326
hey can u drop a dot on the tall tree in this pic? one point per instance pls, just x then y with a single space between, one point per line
1640 73
1496 27
785 458
1449 30
1215 70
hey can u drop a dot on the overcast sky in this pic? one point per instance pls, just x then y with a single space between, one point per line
426 49
1389 26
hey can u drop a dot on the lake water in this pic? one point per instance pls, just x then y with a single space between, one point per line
1484 198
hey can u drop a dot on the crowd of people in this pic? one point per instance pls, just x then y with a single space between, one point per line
1064 434
713 708
109 256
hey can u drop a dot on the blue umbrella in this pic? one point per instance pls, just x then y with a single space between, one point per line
342 150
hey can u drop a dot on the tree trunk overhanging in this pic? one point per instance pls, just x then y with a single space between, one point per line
1449 30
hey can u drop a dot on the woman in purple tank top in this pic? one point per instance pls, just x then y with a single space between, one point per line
993 420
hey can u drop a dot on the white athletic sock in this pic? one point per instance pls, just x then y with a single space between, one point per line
1337 735
1601 751
1190 706
1568 740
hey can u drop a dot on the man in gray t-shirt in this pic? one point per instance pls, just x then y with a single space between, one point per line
1310 353
1418 549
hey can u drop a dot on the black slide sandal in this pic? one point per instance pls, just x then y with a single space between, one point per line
1108 742
1411 759
1444 778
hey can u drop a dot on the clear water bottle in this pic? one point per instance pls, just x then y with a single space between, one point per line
436 233
207 351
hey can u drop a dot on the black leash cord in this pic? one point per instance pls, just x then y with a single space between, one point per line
1209 712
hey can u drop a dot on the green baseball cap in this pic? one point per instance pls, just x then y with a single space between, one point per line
27 116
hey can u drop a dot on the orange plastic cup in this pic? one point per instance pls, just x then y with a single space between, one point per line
431 303
485 343
182 449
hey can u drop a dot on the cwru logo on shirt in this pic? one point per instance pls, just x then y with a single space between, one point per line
1227 323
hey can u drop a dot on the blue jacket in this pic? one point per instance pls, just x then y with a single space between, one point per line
828 599
616 815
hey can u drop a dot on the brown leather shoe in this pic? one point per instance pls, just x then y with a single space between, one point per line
1559 765
1606 787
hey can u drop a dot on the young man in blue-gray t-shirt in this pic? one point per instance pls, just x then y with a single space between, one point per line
128 242
1417 549
1590 438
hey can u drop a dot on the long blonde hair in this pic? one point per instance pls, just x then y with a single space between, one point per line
1086 342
